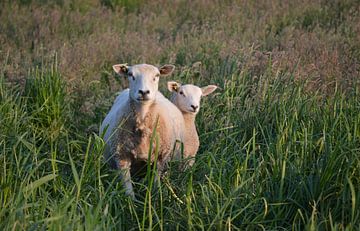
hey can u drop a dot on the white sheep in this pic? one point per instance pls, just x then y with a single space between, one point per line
187 99
136 113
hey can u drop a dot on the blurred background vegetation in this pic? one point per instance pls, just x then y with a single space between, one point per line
319 40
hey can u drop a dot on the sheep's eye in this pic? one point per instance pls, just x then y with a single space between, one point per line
182 93
156 77
131 75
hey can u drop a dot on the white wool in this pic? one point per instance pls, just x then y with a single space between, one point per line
187 98
131 120
115 114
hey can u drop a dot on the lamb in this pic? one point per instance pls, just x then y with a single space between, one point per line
187 99
136 113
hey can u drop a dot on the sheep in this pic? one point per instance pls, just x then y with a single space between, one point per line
136 113
187 99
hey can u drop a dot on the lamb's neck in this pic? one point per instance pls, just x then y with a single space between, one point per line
189 118
190 123
191 141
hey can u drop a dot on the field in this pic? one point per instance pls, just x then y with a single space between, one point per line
280 139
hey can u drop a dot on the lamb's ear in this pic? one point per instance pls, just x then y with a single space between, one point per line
173 86
121 69
208 90
166 69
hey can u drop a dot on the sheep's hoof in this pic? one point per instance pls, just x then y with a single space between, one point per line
130 194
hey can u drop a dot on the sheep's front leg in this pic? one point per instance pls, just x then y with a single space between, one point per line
125 165
189 161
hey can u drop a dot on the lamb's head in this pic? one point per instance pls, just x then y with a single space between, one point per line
143 80
187 97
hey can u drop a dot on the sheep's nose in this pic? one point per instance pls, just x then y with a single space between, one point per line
143 93
194 107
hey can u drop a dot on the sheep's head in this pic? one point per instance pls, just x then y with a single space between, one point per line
143 80
187 97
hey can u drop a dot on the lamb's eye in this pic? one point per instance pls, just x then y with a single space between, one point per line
131 75
156 77
182 93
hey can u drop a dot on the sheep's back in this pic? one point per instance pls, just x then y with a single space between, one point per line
172 116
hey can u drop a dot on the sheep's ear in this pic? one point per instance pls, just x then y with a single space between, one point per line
173 86
166 69
208 90
121 69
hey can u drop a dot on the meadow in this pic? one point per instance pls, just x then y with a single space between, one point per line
280 138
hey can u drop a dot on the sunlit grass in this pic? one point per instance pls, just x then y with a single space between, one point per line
272 156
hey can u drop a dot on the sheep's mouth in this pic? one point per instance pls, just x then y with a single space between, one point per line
193 111
142 99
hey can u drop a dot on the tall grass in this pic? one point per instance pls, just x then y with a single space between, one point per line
273 157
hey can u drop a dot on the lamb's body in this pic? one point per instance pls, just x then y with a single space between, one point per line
187 99
138 112
129 131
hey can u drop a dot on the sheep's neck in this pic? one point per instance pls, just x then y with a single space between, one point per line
190 125
140 110
189 119
141 127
